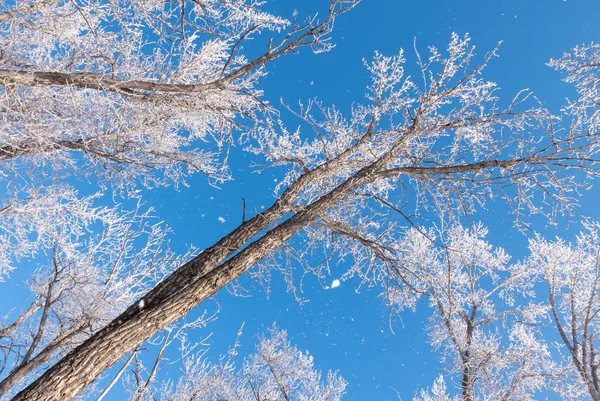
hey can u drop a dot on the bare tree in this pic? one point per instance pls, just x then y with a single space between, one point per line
446 141
276 371
482 320
571 274
116 94
86 282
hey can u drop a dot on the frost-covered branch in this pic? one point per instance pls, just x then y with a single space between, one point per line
571 275
276 371
149 91
83 285
482 319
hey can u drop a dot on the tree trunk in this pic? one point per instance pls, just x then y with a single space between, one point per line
466 384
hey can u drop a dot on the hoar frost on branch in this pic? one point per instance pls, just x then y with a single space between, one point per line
138 87
582 66
81 286
276 371
571 274
443 140
36 218
482 321
443 143
124 94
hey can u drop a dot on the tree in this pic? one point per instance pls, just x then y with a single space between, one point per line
116 95
33 220
276 371
570 273
446 141
84 283
482 319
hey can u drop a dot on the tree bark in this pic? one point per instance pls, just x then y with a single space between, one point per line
467 382
85 80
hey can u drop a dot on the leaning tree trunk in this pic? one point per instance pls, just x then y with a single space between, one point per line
187 287
202 277
172 300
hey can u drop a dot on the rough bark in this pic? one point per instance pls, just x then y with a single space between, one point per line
467 382
86 80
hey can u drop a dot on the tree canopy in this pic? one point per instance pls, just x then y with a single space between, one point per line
103 102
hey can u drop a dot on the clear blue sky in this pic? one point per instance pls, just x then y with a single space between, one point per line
343 329
346 329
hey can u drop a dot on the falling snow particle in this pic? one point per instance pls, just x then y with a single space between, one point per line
221 219
335 283
141 304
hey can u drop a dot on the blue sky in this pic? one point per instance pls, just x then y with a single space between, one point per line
346 328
